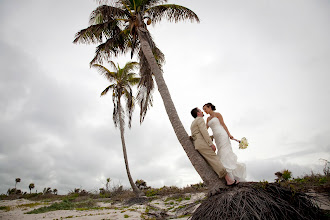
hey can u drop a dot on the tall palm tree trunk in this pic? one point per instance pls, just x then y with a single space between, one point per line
121 126
207 174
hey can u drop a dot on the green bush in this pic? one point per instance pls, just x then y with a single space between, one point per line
286 175
5 208
64 205
323 180
152 192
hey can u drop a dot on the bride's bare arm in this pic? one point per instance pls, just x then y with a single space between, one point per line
219 116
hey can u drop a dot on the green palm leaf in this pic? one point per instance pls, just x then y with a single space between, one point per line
171 12
106 13
111 76
96 32
122 79
105 91
112 47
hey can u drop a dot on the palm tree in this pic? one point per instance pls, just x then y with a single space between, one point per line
107 184
47 190
31 186
121 81
17 180
123 25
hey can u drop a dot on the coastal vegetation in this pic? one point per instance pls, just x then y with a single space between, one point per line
172 199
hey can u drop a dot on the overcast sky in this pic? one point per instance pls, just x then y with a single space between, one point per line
264 64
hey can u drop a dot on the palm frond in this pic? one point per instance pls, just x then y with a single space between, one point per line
92 34
130 66
151 3
111 48
117 107
107 89
159 56
115 115
106 13
123 79
113 65
128 96
132 79
96 32
145 100
111 76
126 5
145 87
171 12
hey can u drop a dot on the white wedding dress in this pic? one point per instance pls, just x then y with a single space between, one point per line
225 152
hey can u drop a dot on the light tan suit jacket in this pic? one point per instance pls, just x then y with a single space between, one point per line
199 134
203 142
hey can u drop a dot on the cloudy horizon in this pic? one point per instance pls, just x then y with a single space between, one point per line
263 64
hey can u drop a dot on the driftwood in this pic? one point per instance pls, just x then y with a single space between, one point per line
258 201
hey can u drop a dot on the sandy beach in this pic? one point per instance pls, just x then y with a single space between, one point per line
170 209
166 207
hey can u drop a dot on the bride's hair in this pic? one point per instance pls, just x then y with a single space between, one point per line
210 105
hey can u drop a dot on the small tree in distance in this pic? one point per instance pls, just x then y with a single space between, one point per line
17 180
107 184
31 186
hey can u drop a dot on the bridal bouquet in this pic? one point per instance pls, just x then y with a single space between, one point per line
243 143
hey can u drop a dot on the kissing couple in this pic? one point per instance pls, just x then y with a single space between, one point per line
224 162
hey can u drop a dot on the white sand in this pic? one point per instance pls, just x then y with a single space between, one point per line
171 207
17 211
174 208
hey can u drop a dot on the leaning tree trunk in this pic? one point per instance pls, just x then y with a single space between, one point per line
205 171
121 126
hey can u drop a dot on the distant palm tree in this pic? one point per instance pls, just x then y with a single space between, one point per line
31 186
107 185
17 180
47 190
55 191
123 25
122 80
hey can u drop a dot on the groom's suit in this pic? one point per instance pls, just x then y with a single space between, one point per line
203 142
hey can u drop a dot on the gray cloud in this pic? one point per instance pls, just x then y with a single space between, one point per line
264 65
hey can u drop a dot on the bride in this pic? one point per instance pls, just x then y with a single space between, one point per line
221 135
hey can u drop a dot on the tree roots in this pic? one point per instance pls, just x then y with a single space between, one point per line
259 201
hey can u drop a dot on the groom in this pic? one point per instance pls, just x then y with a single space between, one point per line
204 145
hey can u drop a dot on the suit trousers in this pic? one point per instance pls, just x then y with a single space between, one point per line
213 160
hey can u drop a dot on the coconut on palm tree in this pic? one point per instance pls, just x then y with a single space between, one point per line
122 27
122 80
